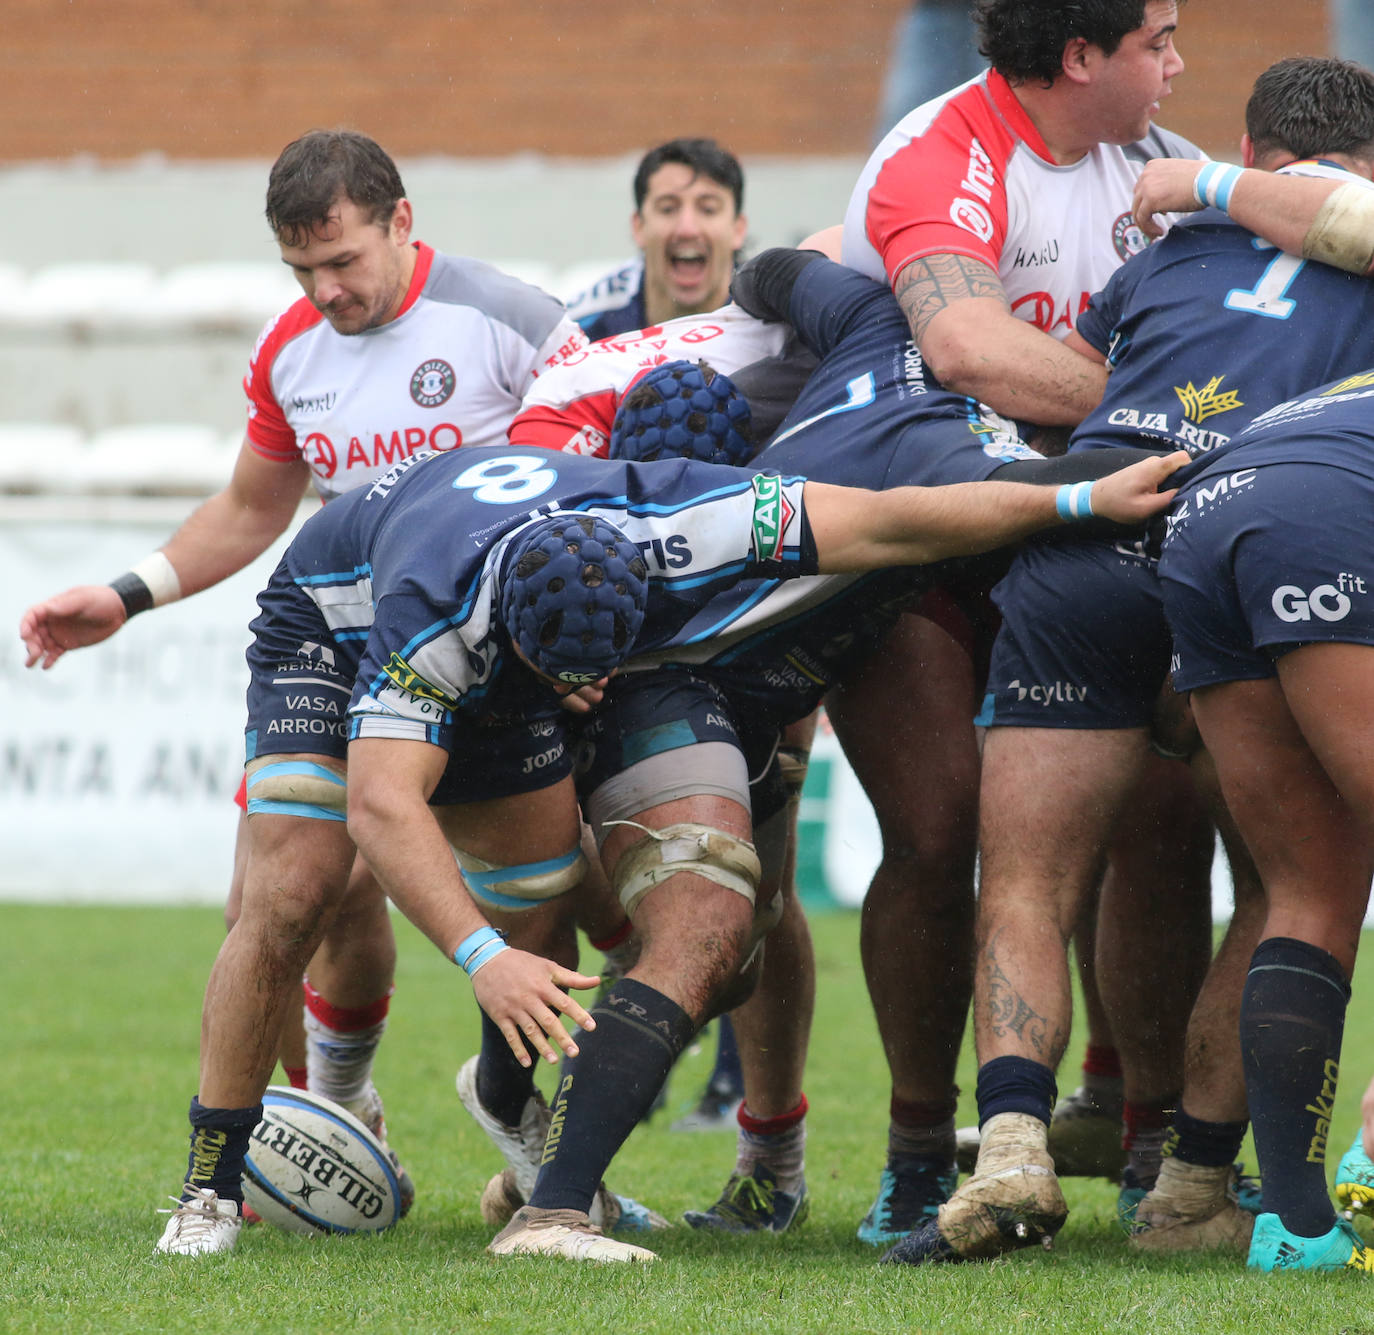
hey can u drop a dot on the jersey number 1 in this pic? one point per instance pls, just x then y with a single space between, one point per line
1266 297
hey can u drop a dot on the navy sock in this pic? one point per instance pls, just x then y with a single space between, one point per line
1015 1084
727 1076
503 1085
606 1089
219 1144
1206 1144
1291 1018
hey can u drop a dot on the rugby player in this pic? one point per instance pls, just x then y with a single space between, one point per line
993 212
393 347
689 225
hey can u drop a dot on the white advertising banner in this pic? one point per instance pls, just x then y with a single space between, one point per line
119 765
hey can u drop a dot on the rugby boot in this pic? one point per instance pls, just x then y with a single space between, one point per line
1012 1200
1191 1208
1355 1178
200 1224
1273 1247
565 1233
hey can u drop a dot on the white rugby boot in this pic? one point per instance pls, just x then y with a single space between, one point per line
200 1224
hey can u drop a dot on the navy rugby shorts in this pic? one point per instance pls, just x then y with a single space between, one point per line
1083 641
301 681
1280 557
646 715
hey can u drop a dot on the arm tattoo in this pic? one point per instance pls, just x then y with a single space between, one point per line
925 287
1008 1012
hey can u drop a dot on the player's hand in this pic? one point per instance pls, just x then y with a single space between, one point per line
71 620
1165 186
1132 495
1367 1113
584 699
523 994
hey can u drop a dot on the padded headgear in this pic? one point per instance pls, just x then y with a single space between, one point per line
683 411
573 596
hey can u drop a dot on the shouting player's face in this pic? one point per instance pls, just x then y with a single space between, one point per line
355 272
689 231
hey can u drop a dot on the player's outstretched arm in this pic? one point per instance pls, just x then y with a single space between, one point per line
220 537
395 830
864 530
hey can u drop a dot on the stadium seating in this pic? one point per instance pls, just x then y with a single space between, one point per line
126 378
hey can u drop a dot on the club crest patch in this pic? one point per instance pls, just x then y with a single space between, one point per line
432 383
1127 238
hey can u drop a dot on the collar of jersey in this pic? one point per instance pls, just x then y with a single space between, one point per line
1011 111
423 261
1322 167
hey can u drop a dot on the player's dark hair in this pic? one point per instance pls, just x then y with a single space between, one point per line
1312 105
703 157
319 169
1025 39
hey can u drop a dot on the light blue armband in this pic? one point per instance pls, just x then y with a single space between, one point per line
1214 183
483 946
1073 501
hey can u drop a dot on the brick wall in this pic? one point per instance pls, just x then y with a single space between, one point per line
237 78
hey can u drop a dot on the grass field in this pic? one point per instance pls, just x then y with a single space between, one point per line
101 1018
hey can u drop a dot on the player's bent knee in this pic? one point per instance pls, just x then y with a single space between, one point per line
522 886
285 785
697 849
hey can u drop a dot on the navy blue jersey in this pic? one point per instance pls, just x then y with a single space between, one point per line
1211 327
410 565
872 415
1331 425
614 304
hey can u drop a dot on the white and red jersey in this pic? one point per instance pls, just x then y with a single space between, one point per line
969 174
572 406
449 370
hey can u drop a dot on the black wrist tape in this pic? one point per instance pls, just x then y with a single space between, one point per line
133 593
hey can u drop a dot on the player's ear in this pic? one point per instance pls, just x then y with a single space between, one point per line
402 220
1247 151
1080 59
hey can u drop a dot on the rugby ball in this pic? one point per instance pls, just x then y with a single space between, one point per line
313 1168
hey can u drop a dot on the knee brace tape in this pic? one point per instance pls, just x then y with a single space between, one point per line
697 849
524 886
278 787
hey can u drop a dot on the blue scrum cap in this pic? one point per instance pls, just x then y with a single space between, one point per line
682 410
573 596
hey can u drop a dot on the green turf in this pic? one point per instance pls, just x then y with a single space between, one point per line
101 1020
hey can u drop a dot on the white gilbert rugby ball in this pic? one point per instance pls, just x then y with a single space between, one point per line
314 1168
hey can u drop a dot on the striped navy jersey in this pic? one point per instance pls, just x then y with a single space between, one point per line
411 565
